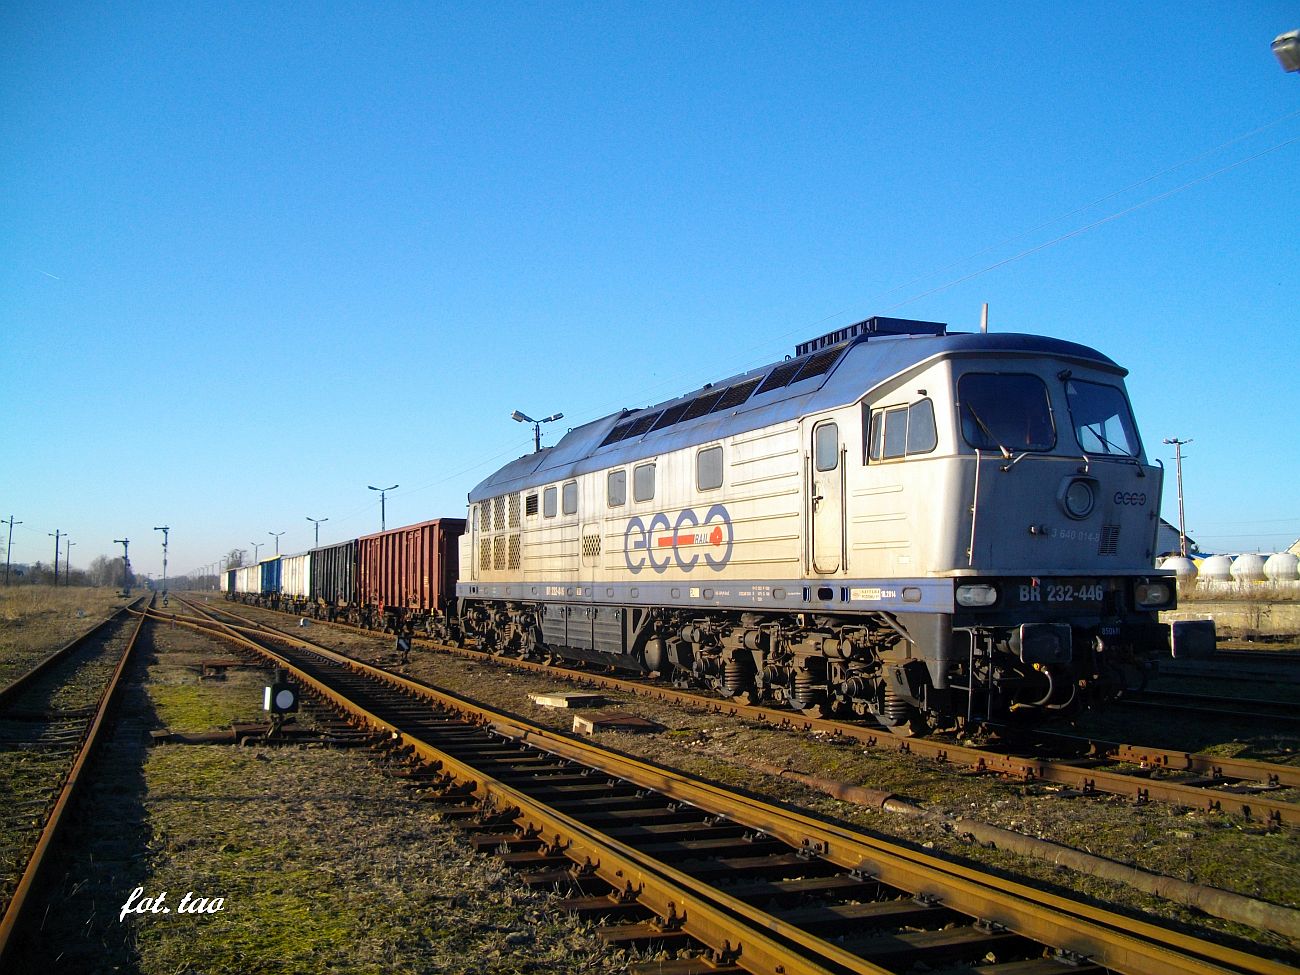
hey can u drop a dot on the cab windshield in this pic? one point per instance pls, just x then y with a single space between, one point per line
1102 420
1007 412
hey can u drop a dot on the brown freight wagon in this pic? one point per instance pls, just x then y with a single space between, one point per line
407 576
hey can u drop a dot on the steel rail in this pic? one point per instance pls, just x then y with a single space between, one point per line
661 888
1241 709
1121 943
1080 773
20 683
14 916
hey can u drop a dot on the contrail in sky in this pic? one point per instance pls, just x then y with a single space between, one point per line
49 275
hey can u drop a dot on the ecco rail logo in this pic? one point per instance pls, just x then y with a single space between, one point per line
647 545
1130 497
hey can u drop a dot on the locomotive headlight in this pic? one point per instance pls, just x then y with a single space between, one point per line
1079 497
977 595
1150 595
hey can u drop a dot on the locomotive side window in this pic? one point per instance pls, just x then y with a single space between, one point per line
826 447
570 499
643 482
617 488
1102 420
549 497
1005 412
708 469
922 436
901 431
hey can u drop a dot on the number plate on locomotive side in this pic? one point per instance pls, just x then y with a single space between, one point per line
1081 593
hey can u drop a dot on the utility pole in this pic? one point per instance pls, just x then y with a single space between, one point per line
164 530
276 536
67 564
56 535
317 522
383 492
126 564
1182 524
9 547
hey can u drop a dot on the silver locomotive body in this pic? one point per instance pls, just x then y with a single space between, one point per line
921 526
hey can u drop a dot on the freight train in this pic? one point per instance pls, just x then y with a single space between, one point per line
921 526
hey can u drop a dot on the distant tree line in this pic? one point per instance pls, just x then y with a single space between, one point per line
102 571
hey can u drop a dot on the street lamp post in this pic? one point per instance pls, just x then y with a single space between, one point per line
256 546
316 522
383 492
1182 525
164 530
537 425
276 536
67 563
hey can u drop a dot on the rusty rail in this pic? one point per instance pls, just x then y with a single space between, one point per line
738 931
15 912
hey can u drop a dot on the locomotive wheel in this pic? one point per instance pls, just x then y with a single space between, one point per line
913 725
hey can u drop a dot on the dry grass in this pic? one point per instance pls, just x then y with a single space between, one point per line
324 863
36 620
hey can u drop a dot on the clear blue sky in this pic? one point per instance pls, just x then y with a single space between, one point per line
256 257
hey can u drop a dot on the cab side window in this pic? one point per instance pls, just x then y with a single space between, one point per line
902 431
549 497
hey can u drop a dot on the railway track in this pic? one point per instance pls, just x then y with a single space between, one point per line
731 882
1240 709
51 719
1255 790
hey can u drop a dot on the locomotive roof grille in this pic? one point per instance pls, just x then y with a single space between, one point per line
702 405
781 375
736 395
580 450
876 325
640 425
671 415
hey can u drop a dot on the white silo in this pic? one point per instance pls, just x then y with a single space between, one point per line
1282 567
1217 568
1183 567
1248 568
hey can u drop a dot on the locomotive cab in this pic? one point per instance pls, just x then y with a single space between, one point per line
1018 479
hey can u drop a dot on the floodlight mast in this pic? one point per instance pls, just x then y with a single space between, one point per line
383 494
276 536
316 522
537 425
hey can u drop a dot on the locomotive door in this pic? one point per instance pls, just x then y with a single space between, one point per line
826 498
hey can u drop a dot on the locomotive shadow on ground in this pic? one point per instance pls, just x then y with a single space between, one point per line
105 842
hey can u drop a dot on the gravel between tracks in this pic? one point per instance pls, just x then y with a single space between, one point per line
324 863
1216 850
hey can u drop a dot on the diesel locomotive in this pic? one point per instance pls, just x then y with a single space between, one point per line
898 521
